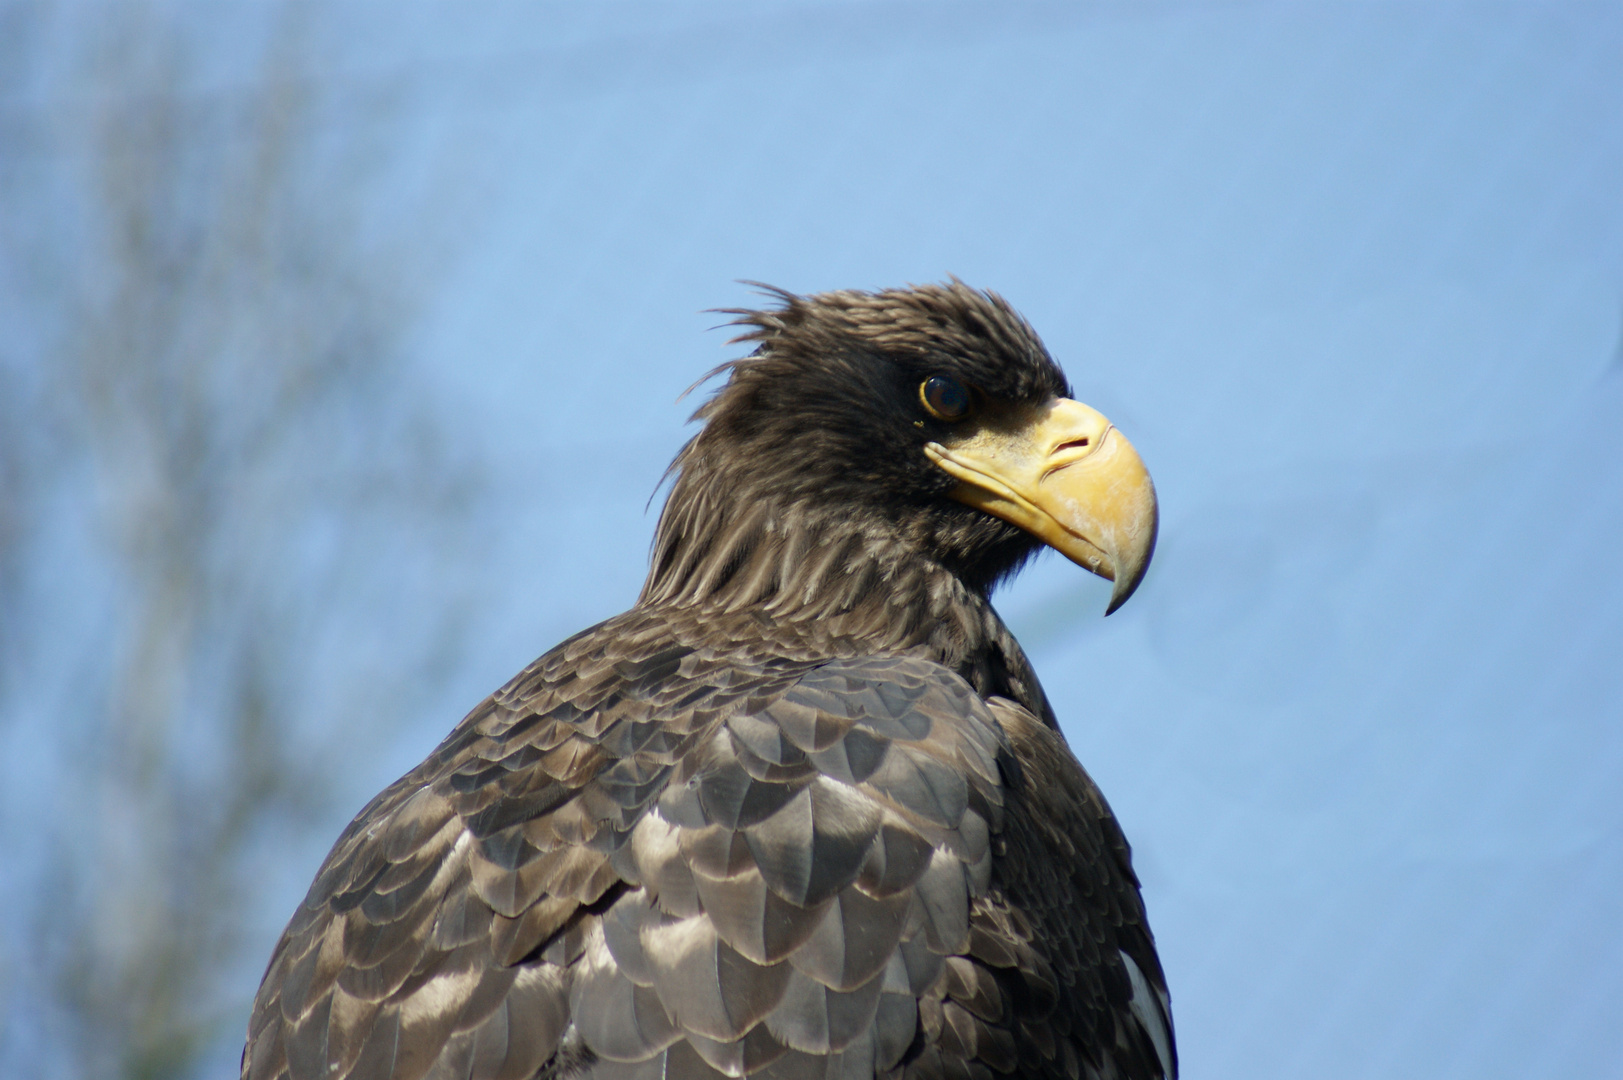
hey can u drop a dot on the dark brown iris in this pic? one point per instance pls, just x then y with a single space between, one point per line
945 398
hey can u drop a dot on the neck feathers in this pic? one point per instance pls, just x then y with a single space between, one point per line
793 562
844 578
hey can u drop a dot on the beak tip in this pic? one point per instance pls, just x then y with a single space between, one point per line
1127 583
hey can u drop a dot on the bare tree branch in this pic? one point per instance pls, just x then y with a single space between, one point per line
226 388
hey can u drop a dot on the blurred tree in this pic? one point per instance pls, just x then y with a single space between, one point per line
215 486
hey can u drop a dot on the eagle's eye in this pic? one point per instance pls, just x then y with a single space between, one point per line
944 398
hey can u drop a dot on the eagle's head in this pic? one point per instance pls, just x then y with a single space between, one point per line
926 423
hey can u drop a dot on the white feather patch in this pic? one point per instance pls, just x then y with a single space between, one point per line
1150 1009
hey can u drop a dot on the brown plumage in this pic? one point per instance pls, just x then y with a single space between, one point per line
803 811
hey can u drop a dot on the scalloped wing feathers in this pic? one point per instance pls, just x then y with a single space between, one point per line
649 859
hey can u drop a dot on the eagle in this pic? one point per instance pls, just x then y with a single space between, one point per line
803 811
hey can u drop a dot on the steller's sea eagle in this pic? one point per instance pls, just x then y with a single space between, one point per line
804 810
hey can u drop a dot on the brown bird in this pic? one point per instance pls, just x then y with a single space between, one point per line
804 810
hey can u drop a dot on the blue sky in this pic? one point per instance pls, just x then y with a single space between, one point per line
1349 275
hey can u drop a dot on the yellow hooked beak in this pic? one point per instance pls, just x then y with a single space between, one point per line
1063 473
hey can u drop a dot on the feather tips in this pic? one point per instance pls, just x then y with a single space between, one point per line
660 860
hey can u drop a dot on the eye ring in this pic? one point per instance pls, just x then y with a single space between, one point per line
944 398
